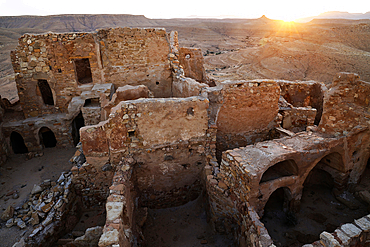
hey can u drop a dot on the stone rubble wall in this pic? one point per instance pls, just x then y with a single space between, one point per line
29 129
136 56
346 105
244 112
191 60
347 235
237 197
187 87
53 209
304 94
121 226
122 56
297 119
124 93
4 148
168 138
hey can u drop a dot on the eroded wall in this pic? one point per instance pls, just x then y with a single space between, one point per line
244 112
63 62
191 60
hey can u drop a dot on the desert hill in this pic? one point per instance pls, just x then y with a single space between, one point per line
233 48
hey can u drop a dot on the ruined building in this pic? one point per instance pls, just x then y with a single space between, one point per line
156 133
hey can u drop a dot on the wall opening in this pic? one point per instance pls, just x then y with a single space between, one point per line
47 138
77 123
282 169
83 70
45 90
277 216
334 160
93 102
17 143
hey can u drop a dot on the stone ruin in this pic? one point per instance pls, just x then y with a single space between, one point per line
153 131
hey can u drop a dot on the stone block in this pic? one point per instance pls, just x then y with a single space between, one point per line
363 223
329 240
114 210
351 230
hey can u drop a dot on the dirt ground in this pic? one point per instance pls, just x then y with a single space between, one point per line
183 226
19 174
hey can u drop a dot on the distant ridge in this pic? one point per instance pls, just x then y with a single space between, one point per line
336 15
74 23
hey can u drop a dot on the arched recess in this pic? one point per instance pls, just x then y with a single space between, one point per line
46 93
17 143
284 168
334 160
47 138
77 123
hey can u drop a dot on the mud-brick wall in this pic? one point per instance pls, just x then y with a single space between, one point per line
51 57
191 60
137 57
346 105
3 146
169 141
244 112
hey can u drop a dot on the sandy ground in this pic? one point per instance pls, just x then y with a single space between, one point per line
19 174
183 226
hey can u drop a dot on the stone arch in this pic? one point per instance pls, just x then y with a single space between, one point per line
333 164
17 143
283 168
77 123
46 93
47 138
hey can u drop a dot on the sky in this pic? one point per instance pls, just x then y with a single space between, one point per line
275 9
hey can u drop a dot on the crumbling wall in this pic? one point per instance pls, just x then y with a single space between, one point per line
127 92
168 142
350 234
163 134
3 145
137 56
191 60
346 105
52 57
244 112
30 128
304 94
187 87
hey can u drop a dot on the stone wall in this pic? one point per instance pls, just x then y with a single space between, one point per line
30 128
243 111
350 234
304 94
346 105
169 141
63 62
191 60
187 87
137 56
3 144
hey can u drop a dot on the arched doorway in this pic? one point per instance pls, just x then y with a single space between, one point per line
47 138
77 123
277 216
17 143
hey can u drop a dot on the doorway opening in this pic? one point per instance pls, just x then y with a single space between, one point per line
83 70
46 93
77 123
17 143
47 138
